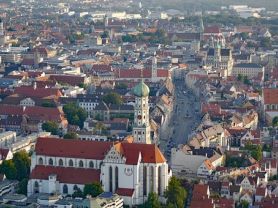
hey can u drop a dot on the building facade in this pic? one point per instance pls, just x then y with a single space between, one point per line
131 170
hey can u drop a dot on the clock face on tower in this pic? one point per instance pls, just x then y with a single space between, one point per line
139 117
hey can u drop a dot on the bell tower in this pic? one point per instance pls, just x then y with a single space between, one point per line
141 126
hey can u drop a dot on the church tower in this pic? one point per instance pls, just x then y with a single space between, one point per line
141 127
1 28
154 69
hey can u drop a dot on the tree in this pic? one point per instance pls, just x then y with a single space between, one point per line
100 127
255 151
94 189
152 201
22 186
77 193
112 98
121 86
175 193
75 114
8 168
275 121
22 164
71 135
246 80
266 42
240 77
50 126
48 104
244 204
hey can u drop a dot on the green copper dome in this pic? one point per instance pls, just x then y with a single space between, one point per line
141 90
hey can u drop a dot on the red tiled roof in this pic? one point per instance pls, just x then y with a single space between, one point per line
270 95
10 110
136 73
125 192
28 62
97 150
207 203
36 112
260 191
72 148
30 91
224 203
44 114
212 29
150 153
211 108
200 191
101 67
66 174
68 79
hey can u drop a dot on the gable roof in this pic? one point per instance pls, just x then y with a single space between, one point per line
30 91
270 95
150 153
66 174
72 148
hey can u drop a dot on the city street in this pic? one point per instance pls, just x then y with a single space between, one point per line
184 118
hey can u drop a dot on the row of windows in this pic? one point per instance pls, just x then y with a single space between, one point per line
61 163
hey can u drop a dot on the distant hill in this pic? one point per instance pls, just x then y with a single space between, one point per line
211 4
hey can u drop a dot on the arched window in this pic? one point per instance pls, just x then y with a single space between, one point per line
81 164
75 188
116 178
91 164
145 180
110 179
36 187
40 161
70 163
61 163
50 161
159 180
65 189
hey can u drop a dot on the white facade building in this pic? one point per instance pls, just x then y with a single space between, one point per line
131 170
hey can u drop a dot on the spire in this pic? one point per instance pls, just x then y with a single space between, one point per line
141 75
202 28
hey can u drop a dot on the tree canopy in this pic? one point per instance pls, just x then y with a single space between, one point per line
256 151
75 114
176 195
71 135
18 168
94 189
112 98
153 201
275 121
51 126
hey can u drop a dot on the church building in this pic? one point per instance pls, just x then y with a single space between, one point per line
132 168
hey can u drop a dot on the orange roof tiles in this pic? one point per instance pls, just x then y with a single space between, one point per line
270 95
72 148
66 174
97 150
30 91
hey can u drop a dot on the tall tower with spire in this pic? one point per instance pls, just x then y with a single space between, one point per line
141 127
1 27
154 69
